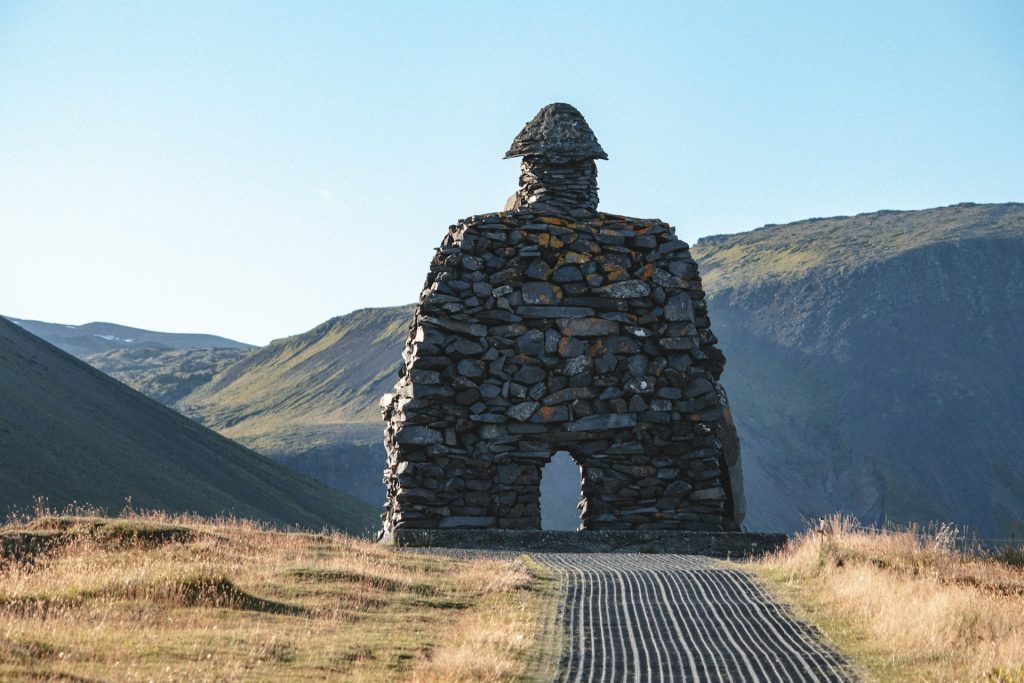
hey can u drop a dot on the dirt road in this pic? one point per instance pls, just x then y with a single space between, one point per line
631 617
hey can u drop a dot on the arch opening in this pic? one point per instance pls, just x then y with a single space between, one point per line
561 486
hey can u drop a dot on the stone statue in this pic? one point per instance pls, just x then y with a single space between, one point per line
551 326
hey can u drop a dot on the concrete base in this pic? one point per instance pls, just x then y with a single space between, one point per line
710 543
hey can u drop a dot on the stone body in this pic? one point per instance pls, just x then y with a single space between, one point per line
552 327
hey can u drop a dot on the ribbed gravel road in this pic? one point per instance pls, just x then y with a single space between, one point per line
679 618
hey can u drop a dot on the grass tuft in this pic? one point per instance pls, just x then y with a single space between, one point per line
1010 555
906 603
220 591
371 580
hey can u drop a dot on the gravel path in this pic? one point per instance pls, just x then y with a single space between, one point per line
679 617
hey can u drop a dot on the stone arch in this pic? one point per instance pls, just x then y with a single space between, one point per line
526 473
561 492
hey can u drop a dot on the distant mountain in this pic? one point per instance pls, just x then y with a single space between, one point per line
875 365
70 433
83 340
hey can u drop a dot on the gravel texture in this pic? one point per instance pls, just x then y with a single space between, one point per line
629 617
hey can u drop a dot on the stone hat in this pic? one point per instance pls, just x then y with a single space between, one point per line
560 134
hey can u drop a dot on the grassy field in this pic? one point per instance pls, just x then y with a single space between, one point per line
906 605
151 597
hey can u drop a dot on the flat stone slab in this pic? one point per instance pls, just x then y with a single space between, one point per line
721 544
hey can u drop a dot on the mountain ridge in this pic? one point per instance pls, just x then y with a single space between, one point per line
96 337
787 251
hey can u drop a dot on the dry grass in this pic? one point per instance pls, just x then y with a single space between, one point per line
481 647
907 605
150 597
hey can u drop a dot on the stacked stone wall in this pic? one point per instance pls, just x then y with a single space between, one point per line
539 332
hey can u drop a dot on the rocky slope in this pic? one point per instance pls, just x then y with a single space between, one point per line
69 433
875 365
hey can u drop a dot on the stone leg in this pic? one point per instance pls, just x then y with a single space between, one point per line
518 495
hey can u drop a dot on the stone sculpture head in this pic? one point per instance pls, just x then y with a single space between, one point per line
557 173
559 134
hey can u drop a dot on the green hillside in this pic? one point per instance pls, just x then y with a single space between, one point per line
71 434
310 401
310 390
167 375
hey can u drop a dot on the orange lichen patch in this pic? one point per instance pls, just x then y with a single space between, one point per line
647 272
597 348
576 257
549 241
614 272
547 413
551 220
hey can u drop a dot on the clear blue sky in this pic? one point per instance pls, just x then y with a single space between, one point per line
251 169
